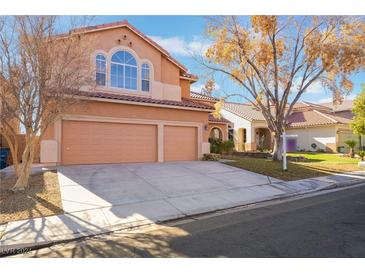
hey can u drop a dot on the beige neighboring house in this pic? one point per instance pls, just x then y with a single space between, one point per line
312 127
141 110
323 126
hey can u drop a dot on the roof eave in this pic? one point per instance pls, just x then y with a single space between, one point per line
137 32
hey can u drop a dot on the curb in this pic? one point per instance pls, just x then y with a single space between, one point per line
9 250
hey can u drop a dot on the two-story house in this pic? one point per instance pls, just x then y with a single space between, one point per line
140 111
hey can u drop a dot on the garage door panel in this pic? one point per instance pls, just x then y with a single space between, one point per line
180 143
96 142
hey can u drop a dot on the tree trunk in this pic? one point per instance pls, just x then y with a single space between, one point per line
278 148
14 156
352 152
27 161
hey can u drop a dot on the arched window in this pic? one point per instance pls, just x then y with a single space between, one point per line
145 77
100 76
123 72
216 133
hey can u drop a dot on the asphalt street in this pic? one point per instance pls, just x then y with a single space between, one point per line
329 225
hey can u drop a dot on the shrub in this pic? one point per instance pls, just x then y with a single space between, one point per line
351 144
218 146
215 145
227 147
211 157
361 153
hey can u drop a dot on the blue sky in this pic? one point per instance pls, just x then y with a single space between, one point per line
181 34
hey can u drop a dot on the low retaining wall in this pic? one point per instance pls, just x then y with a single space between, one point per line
252 154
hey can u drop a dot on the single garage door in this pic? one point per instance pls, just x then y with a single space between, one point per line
180 143
97 142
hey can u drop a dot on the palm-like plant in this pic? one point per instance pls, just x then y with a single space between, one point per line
351 144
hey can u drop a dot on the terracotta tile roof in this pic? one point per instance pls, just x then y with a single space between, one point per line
300 105
199 96
185 103
310 106
343 117
125 23
213 119
305 114
309 118
321 114
345 105
246 111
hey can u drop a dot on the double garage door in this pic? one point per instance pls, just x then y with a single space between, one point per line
99 142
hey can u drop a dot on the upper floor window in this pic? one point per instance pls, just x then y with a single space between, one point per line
100 76
145 77
123 72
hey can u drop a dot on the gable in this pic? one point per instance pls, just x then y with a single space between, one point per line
110 39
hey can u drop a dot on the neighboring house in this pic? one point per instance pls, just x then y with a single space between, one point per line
311 127
141 110
218 126
322 127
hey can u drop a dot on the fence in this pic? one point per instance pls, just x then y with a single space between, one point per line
21 142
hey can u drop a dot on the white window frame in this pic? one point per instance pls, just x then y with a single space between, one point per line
96 69
124 65
108 87
146 79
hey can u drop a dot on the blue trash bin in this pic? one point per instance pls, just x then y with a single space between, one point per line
4 154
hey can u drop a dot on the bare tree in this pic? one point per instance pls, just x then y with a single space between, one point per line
9 129
41 74
276 59
209 87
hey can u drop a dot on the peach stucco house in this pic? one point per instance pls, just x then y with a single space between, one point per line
141 110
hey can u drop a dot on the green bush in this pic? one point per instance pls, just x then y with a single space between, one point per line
227 147
351 144
211 157
215 145
361 153
218 146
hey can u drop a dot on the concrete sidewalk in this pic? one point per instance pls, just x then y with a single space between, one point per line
94 215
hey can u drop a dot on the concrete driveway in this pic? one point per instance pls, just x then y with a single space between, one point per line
103 198
155 190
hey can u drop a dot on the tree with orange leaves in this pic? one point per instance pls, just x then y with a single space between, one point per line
276 59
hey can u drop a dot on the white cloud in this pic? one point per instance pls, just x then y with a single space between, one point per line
314 88
325 100
178 46
198 87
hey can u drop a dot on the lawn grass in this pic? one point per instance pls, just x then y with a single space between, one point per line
41 198
318 164
327 158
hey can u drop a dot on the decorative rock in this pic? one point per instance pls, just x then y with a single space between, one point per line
361 164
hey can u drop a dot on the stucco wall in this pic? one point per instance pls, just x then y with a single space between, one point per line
345 133
165 82
107 109
223 128
238 122
185 88
323 137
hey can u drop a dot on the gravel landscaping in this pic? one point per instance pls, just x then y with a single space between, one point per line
41 198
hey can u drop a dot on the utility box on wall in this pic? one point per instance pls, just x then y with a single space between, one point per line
49 152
